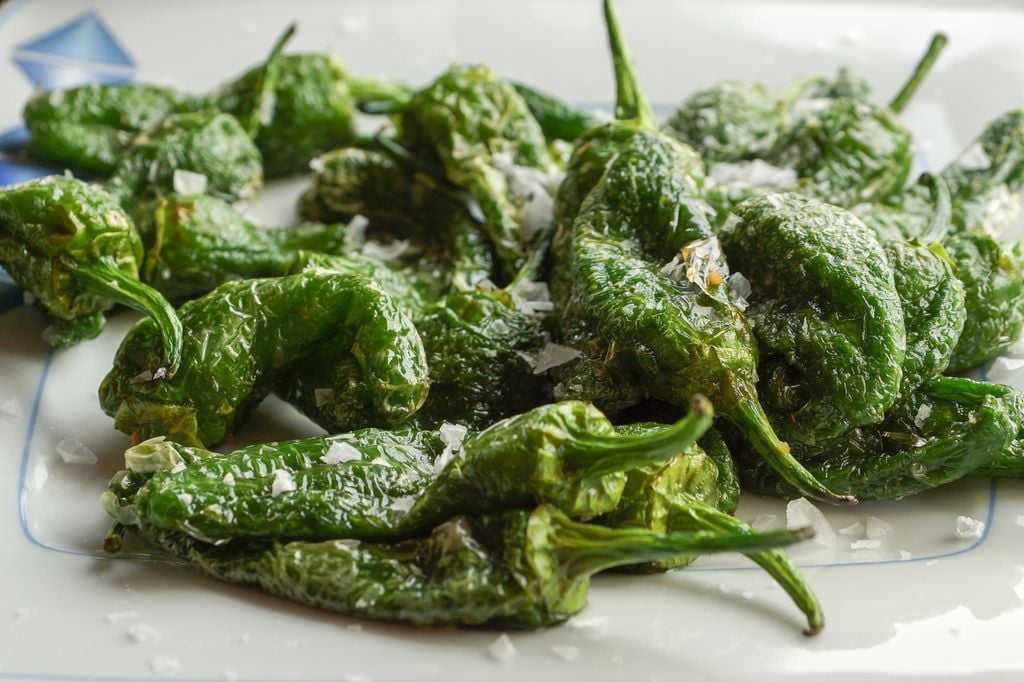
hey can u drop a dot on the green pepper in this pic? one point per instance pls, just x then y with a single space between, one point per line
242 337
447 250
846 149
824 299
924 442
934 310
994 289
519 569
675 337
350 485
210 144
479 132
698 490
384 486
71 246
558 120
89 127
727 122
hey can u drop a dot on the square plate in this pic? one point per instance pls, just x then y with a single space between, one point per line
924 604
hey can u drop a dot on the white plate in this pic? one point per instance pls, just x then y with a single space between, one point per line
953 608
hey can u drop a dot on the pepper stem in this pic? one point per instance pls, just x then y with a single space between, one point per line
752 421
379 95
265 97
113 283
938 226
775 563
630 101
924 66
600 455
584 549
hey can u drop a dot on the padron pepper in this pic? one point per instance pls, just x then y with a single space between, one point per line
71 246
480 133
242 337
993 281
675 338
698 490
373 485
926 441
824 299
517 569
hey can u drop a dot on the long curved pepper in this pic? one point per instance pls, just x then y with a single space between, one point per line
519 569
72 247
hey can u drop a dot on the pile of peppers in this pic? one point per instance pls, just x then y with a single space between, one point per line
540 345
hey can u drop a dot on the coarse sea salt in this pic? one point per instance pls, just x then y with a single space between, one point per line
340 452
283 483
974 158
801 513
502 649
391 251
553 355
165 665
756 173
141 633
402 504
905 555
532 298
856 528
10 407
188 183
74 451
876 528
967 528
865 544
763 522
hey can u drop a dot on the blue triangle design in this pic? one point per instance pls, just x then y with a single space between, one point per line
52 76
12 172
85 38
14 139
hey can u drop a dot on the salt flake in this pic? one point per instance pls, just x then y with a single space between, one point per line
967 528
553 355
567 653
164 665
283 483
800 513
502 649
340 452
10 407
877 528
74 451
386 252
189 183
865 544
975 158
756 173
142 633
853 529
763 522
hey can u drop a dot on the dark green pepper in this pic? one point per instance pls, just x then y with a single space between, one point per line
926 441
210 144
823 298
242 337
559 120
71 246
479 131
675 336
994 288
88 128
519 569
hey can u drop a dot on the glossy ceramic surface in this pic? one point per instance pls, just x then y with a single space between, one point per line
923 604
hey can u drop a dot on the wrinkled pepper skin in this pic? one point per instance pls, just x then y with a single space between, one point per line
478 349
675 338
698 490
398 202
520 569
847 152
71 246
480 132
217 498
566 454
242 337
313 111
924 442
934 310
87 128
994 292
824 298
208 143
196 243
727 122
